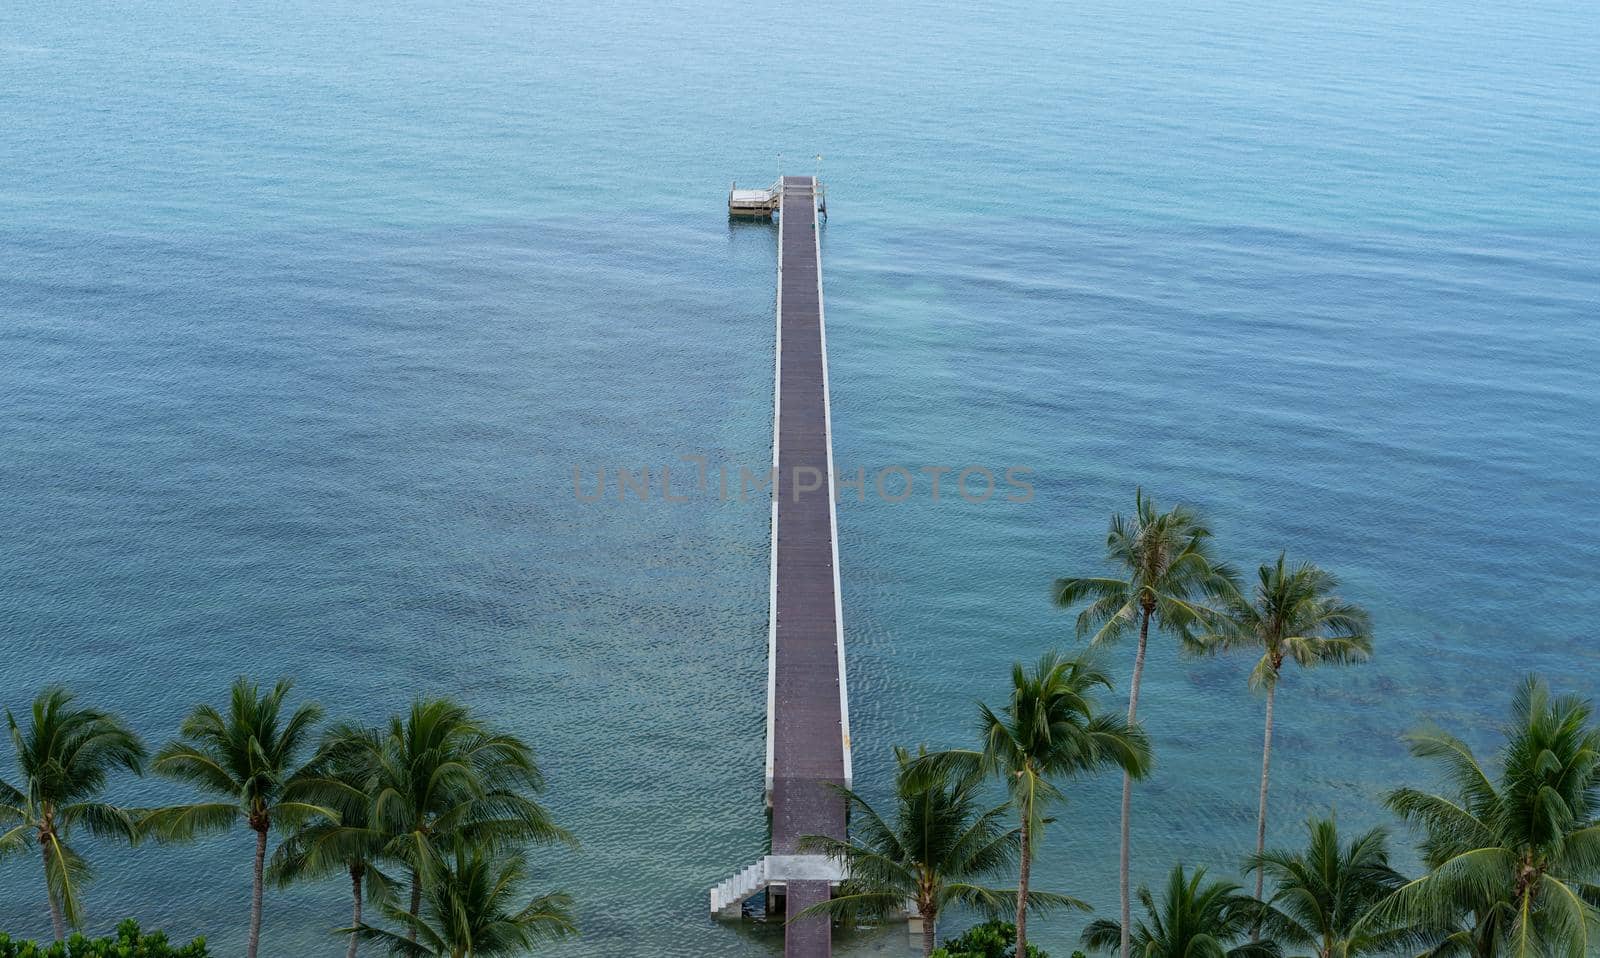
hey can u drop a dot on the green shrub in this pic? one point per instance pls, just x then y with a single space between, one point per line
129 942
992 939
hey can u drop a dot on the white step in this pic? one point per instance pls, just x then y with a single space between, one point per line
728 897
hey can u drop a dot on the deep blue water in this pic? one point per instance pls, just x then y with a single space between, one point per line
308 310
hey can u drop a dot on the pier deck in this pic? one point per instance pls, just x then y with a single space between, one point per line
808 730
808 733
808 726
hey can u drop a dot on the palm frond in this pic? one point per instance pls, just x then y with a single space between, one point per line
101 819
181 823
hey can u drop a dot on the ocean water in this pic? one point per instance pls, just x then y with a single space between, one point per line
308 311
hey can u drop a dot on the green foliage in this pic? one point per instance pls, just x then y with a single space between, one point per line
246 759
933 850
64 756
1292 615
129 942
346 841
992 939
473 907
1322 895
1513 859
1166 576
1193 917
1172 577
438 779
1050 729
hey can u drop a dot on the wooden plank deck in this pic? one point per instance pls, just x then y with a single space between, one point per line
809 725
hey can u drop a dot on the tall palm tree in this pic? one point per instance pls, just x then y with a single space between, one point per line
934 852
439 778
1515 860
350 842
1322 895
472 912
1168 577
1050 729
249 759
64 757
1292 616
1195 919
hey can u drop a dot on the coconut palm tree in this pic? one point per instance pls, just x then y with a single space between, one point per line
933 853
1322 895
64 757
1168 577
1513 860
248 759
439 778
1292 616
351 842
472 912
1195 919
1051 729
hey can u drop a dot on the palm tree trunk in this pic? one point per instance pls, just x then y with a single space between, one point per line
1025 863
930 927
355 908
58 925
255 893
1127 784
1261 817
416 904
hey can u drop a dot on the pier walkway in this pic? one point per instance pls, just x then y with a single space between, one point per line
808 725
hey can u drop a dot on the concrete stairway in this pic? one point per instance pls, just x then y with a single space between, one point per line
727 899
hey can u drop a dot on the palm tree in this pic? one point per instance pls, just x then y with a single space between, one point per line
1196 919
350 842
438 779
249 760
1169 576
940 844
1513 861
64 757
1292 616
1051 729
1322 896
472 912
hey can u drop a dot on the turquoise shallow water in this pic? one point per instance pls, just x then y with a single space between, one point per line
308 310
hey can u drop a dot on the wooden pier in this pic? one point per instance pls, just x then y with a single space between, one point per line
808 725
